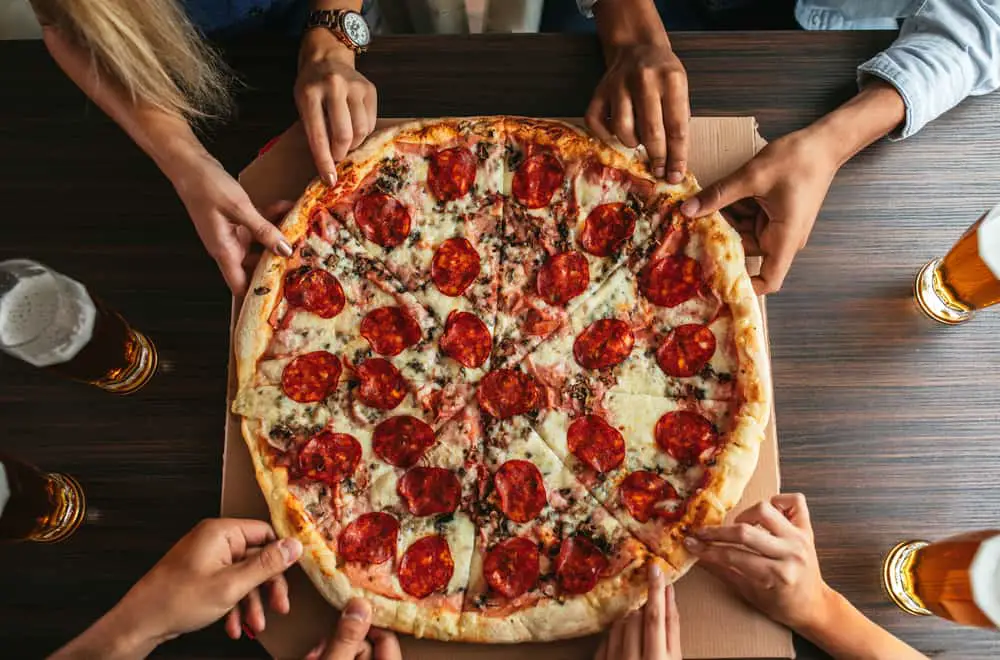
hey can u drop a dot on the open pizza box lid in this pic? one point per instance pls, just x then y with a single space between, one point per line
715 623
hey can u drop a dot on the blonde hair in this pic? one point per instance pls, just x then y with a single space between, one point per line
150 48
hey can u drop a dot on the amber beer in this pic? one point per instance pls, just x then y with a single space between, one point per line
950 289
957 579
52 321
38 506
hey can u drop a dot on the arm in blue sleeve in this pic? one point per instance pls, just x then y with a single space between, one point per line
947 51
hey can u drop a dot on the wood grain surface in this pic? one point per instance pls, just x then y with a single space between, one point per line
889 423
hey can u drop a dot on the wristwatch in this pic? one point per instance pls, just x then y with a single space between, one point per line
348 26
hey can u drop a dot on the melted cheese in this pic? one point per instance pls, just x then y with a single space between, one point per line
269 403
460 534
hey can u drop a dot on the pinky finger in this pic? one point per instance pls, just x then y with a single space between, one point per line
673 618
234 626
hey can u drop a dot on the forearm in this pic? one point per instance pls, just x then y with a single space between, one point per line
112 637
628 22
847 634
166 138
874 112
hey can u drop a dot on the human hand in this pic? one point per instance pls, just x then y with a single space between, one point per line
784 187
769 556
225 218
337 104
651 633
348 640
205 576
643 98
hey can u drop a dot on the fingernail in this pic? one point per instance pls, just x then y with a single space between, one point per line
284 249
357 610
248 632
655 571
658 171
290 549
676 176
693 544
690 207
330 178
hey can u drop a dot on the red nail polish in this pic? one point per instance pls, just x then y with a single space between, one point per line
247 631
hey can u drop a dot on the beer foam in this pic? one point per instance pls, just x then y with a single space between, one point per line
985 577
988 237
46 319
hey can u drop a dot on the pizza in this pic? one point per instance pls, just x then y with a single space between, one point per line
498 376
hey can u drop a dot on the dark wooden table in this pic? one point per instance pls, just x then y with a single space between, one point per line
890 424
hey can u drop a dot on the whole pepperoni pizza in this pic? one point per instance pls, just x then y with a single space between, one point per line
499 374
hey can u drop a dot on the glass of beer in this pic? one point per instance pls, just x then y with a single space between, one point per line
52 321
952 288
38 506
957 579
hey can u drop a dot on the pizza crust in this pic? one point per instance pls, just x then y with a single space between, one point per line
613 598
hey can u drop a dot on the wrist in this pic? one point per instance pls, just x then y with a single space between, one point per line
112 637
818 619
319 44
628 23
872 114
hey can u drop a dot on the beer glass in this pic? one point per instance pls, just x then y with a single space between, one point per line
957 579
951 289
38 506
52 321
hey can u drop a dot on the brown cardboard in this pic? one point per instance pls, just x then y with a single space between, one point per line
714 622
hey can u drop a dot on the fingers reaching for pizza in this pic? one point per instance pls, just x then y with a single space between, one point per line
769 557
225 218
643 96
651 633
789 180
337 104
354 637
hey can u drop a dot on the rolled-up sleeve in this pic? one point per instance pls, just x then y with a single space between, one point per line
947 51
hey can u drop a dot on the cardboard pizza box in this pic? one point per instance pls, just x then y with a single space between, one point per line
715 623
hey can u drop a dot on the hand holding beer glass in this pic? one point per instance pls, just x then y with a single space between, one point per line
51 321
951 289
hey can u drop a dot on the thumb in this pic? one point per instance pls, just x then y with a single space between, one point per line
719 195
263 231
266 564
352 628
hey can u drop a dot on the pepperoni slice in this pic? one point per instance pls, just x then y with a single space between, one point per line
521 489
455 266
687 436
382 219
311 377
504 393
643 494
596 443
429 490
603 344
607 228
563 277
537 180
511 567
579 565
402 440
329 457
314 290
466 339
669 281
371 539
382 386
686 350
451 173
426 566
390 330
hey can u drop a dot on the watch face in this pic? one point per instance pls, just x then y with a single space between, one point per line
356 28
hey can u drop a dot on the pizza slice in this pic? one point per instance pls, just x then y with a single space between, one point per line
387 500
575 210
549 561
661 466
683 328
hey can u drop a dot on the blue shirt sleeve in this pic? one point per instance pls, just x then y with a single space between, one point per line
947 51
